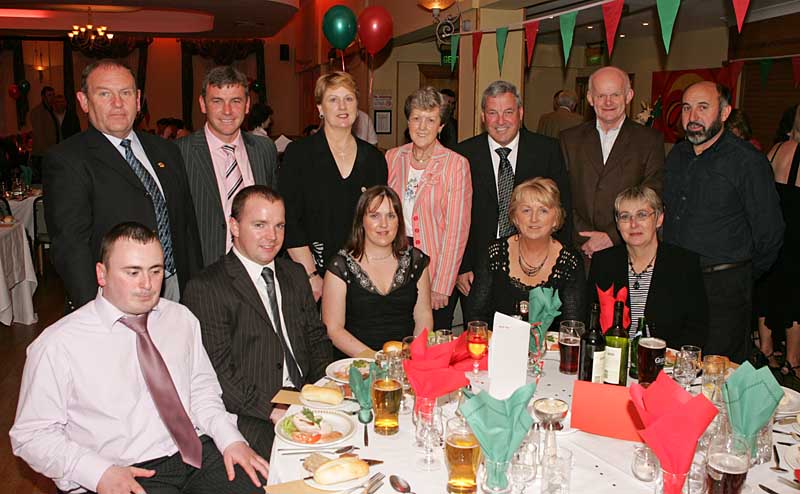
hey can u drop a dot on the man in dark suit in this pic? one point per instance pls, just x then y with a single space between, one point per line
606 156
221 159
501 158
111 174
259 321
65 114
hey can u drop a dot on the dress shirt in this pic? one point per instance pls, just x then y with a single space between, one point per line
254 270
84 405
220 160
512 158
138 151
722 204
607 139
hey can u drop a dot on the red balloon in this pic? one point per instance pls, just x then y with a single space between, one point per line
14 91
375 28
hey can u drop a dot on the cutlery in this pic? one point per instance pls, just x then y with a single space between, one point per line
366 435
767 489
781 432
786 420
374 488
785 443
399 484
777 467
378 477
296 451
790 483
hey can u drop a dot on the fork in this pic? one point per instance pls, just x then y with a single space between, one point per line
366 485
777 467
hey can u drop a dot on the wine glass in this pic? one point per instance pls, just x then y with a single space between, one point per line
477 342
429 433
685 369
523 466
696 355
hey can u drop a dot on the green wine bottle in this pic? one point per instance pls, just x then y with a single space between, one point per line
617 344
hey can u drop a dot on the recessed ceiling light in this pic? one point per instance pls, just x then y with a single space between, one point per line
621 35
550 17
589 27
645 24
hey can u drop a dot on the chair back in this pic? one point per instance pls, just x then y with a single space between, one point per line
39 225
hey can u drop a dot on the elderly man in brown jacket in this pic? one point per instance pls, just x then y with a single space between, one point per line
605 156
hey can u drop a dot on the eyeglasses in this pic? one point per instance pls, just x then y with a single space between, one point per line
639 215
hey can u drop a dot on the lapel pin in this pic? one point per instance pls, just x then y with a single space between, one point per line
161 164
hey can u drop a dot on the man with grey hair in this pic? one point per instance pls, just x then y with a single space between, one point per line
222 160
500 158
563 115
606 156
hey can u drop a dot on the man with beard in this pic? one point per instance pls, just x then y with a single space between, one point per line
721 202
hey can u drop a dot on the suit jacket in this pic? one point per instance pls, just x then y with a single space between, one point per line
676 303
243 346
71 124
636 158
89 188
211 220
553 123
537 156
45 129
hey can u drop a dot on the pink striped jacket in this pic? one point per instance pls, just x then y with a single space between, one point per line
441 215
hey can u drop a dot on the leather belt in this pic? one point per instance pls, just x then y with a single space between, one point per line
724 267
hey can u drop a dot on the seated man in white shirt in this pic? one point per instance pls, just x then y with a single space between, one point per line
115 395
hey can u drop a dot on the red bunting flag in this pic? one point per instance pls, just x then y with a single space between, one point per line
740 7
531 30
612 12
735 68
796 70
477 36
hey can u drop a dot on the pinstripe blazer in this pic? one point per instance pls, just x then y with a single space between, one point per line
441 215
242 344
211 219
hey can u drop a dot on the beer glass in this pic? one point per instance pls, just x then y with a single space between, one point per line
462 455
386 396
569 340
444 336
650 359
557 472
715 368
727 465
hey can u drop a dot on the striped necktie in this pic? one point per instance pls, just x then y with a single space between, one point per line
291 364
233 175
505 184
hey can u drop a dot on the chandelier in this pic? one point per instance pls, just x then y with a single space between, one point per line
90 36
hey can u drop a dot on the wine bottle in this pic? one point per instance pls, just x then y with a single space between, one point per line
592 363
633 369
523 310
617 344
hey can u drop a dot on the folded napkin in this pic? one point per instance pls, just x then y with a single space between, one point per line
499 425
674 421
607 299
751 397
362 391
429 371
543 307
293 487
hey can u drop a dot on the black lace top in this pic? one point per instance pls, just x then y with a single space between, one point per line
494 290
372 317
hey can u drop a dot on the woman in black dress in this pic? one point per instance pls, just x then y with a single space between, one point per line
322 177
531 258
377 288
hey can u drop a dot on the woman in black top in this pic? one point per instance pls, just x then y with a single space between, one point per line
531 258
378 288
322 177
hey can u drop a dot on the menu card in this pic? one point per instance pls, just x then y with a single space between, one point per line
508 355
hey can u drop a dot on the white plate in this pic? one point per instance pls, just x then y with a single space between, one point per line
792 456
341 365
792 406
339 421
339 486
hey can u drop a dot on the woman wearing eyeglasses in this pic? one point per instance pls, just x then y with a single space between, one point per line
665 284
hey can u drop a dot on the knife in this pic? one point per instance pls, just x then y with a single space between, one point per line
767 489
790 483
366 436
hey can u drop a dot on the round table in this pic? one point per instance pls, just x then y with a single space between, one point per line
17 276
600 464
23 212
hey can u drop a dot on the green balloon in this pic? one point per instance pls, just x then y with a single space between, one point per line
339 26
24 86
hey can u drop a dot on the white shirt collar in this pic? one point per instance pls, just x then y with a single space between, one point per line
109 313
253 269
116 141
612 130
511 145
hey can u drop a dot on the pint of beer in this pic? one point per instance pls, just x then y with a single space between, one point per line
569 340
728 462
651 356
386 396
463 455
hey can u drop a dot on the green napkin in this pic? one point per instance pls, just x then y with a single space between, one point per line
751 397
543 306
362 391
500 427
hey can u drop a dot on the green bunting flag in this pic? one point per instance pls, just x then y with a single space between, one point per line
667 12
502 35
454 50
764 67
567 24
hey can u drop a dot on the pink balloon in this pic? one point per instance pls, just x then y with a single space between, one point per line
375 28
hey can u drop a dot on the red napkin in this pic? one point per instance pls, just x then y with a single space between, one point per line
797 473
674 421
607 299
436 370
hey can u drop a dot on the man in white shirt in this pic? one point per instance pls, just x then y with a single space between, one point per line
260 324
114 395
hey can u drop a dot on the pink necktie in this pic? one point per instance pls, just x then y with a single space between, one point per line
233 175
163 391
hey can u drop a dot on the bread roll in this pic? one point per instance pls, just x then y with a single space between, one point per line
341 470
392 346
322 394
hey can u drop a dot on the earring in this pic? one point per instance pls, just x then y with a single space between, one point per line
321 116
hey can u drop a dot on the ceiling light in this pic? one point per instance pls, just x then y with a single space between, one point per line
621 35
590 27
645 24
89 36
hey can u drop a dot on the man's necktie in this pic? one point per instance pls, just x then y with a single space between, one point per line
505 184
233 175
162 390
291 364
159 205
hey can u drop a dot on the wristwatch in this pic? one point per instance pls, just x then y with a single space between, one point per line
312 274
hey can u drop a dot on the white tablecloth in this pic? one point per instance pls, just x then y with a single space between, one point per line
23 212
17 277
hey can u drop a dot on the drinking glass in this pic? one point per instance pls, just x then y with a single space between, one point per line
429 433
491 469
462 456
715 368
523 466
444 336
569 340
645 464
556 472
685 369
728 462
696 355
477 342
386 396
397 372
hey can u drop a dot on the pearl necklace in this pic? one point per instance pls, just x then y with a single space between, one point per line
373 259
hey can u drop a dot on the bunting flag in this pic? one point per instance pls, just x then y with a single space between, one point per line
612 12
734 69
667 12
531 30
764 67
502 35
454 50
477 36
740 7
796 70
567 24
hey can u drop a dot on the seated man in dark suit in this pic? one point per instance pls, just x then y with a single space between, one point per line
260 323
